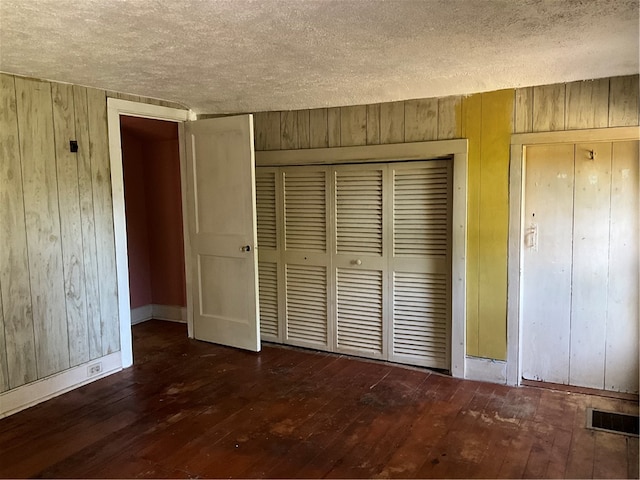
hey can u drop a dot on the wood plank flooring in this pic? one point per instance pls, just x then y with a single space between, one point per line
192 409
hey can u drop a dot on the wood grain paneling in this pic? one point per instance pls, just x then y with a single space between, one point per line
548 108
318 128
90 256
289 131
14 269
334 126
102 205
523 116
373 124
353 126
70 223
267 130
4 370
303 129
42 215
623 101
392 122
587 104
421 120
449 118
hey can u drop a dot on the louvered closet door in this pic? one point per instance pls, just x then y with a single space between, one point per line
268 187
306 257
421 263
358 262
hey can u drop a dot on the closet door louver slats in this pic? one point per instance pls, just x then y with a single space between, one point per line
421 204
266 209
307 304
305 211
268 288
359 212
359 310
420 318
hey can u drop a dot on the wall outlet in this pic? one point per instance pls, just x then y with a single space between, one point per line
94 369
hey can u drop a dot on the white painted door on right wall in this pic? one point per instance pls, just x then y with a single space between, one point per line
580 265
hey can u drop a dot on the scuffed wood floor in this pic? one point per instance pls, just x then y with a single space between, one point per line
189 409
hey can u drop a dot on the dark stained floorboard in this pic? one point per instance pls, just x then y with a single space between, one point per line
192 409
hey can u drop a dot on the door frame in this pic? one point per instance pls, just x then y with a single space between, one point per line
519 144
116 108
457 150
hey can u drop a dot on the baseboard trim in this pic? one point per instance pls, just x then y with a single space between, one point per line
141 314
169 313
36 392
485 370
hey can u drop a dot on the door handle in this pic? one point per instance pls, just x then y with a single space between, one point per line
356 262
246 248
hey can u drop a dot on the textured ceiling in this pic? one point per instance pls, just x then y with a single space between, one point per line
246 56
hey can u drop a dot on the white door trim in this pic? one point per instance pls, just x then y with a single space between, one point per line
115 108
519 143
458 149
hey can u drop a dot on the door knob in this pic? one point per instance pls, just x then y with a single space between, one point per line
356 262
246 248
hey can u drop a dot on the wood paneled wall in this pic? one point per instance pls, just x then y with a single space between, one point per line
487 120
58 290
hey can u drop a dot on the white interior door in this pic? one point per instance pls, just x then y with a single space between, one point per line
221 206
580 265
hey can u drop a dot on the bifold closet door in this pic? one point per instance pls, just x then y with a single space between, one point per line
268 192
359 264
420 264
306 256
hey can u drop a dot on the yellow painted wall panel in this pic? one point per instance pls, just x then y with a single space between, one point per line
471 114
496 123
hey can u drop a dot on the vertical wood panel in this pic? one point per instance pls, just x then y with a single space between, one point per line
496 124
392 122
318 128
587 104
103 210
90 255
289 130
523 110
333 122
472 113
590 257
546 295
37 150
260 129
70 223
621 368
303 129
4 371
623 101
449 118
373 124
421 120
548 108
14 269
353 126
267 130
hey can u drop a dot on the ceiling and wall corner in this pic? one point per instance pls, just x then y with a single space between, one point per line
234 56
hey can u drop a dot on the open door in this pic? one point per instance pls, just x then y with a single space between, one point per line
221 206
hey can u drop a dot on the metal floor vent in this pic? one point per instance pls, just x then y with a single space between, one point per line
612 422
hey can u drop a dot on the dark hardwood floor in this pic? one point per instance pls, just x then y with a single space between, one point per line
189 409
